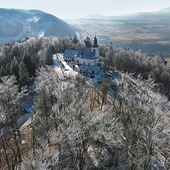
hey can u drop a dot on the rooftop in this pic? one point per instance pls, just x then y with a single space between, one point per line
90 68
70 53
86 53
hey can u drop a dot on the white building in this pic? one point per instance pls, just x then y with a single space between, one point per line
87 59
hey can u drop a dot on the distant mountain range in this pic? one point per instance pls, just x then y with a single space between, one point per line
16 24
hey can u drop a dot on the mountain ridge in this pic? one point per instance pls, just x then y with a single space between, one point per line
18 23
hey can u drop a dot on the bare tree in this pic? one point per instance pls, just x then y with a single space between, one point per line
124 134
73 127
144 115
10 99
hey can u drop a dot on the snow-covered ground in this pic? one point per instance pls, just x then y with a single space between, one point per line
57 66
66 70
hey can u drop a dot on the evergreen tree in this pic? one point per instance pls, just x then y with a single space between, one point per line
49 55
14 67
23 73
75 39
104 87
2 71
109 61
42 111
29 65
87 42
43 105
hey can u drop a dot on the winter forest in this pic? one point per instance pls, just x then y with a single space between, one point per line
75 125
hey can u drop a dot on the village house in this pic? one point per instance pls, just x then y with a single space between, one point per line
86 59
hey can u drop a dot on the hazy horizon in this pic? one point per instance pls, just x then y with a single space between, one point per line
65 9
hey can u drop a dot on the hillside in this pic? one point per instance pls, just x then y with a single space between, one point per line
146 31
16 24
77 131
77 125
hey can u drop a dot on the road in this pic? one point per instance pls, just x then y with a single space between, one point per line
59 58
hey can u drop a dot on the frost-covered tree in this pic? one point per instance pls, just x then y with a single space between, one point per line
73 127
34 52
144 115
10 108
136 62
125 133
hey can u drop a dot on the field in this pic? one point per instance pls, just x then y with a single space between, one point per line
146 31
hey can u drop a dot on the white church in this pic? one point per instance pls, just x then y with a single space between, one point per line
87 59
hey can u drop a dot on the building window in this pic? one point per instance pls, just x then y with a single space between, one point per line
93 50
88 64
83 63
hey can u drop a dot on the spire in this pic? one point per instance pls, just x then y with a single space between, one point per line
95 41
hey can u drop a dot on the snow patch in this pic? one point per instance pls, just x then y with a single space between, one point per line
41 34
33 19
36 19
56 64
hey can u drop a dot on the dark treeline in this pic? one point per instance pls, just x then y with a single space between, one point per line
22 58
128 60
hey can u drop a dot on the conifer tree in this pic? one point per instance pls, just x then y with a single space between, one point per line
87 42
42 112
75 39
23 73
49 55
14 67
104 87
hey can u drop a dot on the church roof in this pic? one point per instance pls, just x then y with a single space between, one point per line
90 68
70 53
86 53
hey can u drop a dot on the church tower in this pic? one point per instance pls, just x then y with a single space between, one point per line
95 47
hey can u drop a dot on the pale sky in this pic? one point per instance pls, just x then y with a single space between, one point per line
77 8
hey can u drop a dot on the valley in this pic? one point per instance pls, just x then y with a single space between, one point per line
146 31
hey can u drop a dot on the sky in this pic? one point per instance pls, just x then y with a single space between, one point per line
66 9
